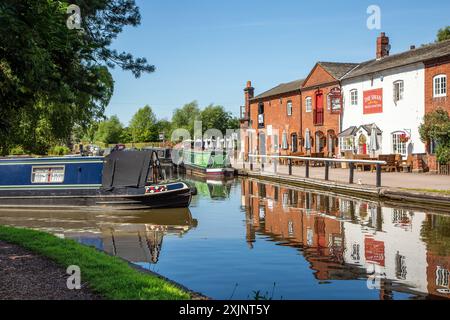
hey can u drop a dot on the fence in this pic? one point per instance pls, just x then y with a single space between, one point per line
444 169
327 163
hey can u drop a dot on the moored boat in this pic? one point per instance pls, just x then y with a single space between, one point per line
122 180
210 164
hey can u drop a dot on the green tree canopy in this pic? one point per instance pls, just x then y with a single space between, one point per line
184 117
142 125
52 77
109 131
215 117
443 34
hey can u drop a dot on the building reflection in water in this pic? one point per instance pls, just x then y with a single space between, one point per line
132 235
345 238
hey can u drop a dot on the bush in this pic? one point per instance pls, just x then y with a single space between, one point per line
17 151
59 151
443 154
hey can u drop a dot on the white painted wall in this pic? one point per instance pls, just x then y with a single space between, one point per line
407 114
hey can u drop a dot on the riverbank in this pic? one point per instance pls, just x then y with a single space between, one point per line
106 277
422 199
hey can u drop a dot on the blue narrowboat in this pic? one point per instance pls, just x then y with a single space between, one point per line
121 180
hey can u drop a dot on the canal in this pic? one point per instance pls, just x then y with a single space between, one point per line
246 239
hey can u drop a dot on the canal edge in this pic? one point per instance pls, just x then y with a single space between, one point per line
415 200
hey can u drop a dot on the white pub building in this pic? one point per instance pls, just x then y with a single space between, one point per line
385 96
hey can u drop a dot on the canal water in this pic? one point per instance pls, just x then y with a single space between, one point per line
246 239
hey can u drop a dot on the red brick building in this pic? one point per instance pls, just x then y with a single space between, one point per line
437 73
322 106
273 119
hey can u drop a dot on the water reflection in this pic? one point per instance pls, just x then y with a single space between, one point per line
344 238
133 235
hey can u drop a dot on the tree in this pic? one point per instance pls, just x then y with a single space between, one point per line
142 125
443 34
184 117
215 117
109 131
436 128
54 75
163 127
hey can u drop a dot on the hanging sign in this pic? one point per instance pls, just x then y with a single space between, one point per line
373 101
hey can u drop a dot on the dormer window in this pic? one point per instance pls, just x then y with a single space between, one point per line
440 86
398 90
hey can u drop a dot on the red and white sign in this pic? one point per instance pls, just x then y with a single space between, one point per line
374 251
373 101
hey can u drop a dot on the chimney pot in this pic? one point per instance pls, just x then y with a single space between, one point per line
412 47
249 84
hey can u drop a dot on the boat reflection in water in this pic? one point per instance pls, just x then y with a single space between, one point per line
345 239
136 236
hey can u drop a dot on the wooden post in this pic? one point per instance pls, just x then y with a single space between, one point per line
290 166
307 169
378 175
352 172
327 170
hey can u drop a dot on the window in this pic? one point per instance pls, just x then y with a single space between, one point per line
308 104
440 86
294 142
346 143
398 90
285 141
275 143
399 143
354 97
329 101
289 108
47 174
261 115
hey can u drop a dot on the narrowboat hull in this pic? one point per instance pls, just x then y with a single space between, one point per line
122 199
210 173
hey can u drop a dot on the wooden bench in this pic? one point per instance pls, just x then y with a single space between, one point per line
391 162
362 157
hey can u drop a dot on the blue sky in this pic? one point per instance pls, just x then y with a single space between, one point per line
207 50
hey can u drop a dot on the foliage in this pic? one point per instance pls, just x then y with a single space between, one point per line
109 131
215 117
17 151
443 34
183 118
436 127
108 276
164 127
53 78
59 151
142 125
126 136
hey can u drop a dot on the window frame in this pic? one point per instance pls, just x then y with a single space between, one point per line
398 95
442 86
395 140
354 97
308 103
49 168
289 108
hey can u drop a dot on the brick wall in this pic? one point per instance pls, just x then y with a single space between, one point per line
432 69
321 80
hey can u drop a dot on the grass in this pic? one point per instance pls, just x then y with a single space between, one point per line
429 190
110 277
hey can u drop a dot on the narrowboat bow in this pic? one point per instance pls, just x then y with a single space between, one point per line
122 180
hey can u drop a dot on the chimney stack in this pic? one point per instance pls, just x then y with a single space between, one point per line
249 92
412 47
383 46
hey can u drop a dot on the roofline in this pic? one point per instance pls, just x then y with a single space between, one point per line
273 95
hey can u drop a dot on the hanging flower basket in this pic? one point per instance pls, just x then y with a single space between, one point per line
404 138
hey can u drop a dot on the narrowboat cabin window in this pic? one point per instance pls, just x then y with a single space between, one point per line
47 174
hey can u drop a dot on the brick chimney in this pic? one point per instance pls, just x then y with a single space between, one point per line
249 92
383 46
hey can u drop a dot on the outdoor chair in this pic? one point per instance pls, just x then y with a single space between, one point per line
407 164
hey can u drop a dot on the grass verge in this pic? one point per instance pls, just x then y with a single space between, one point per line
108 276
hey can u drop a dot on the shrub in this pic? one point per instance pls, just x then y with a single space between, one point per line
443 154
59 151
17 151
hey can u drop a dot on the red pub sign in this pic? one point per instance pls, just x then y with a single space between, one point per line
373 101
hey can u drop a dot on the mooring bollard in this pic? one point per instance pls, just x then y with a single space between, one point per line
378 175
352 173
290 166
307 169
327 170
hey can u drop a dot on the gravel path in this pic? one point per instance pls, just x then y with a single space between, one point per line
26 276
